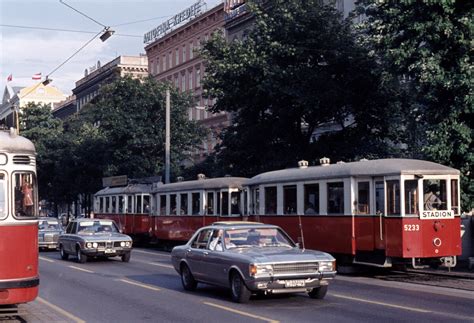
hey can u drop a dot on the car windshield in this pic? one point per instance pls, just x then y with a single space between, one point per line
256 237
97 226
45 225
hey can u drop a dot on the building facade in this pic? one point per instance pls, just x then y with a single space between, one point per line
173 57
98 75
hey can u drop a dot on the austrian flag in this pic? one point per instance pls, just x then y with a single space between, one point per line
36 76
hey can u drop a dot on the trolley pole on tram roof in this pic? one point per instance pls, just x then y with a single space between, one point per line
167 140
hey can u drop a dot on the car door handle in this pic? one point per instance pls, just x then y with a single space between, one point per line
206 253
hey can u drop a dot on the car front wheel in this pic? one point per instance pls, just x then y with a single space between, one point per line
240 292
81 258
126 257
187 279
318 292
64 255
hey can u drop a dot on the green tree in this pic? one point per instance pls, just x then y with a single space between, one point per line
299 68
426 47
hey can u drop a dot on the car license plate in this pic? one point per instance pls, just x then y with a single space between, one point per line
52 247
109 251
294 283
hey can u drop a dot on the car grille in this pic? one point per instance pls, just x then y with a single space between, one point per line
109 244
51 237
295 268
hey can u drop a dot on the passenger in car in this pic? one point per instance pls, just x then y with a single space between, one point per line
216 243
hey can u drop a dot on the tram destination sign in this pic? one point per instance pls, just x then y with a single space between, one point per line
168 25
437 214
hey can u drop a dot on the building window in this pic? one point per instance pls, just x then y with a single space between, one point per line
191 85
198 77
191 50
164 63
176 57
183 82
169 60
183 56
176 80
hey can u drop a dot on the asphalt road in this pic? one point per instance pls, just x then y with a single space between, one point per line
149 290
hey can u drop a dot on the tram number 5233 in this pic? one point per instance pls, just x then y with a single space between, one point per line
411 227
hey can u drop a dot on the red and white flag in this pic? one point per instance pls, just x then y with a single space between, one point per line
36 76
10 78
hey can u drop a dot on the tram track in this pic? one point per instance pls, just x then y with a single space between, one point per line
455 280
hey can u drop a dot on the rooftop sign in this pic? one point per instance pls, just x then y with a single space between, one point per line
185 15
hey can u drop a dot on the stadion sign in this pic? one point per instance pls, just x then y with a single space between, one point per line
187 14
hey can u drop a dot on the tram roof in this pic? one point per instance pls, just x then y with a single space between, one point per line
13 143
376 167
208 183
129 189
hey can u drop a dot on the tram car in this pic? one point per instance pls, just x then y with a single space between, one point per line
128 206
381 212
19 279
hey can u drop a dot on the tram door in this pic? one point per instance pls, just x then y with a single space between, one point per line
379 220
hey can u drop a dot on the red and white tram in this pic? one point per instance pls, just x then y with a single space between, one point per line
374 212
19 278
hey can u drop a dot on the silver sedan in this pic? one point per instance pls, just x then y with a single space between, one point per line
252 258
86 238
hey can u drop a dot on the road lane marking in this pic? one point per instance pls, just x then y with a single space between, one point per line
60 310
152 253
81 269
139 284
46 259
160 265
222 307
382 304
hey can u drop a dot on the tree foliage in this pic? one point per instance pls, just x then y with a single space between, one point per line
299 69
426 47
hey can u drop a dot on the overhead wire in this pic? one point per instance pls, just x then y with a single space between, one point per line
63 30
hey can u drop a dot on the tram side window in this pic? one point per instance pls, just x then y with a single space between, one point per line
173 204
393 197
270 200
162 204
25 195
107 204
454 196
146 204
363 198
138 204
289 199
311 199
101 204
3 197
335 198
235 203
434 194
196 203
411 197
120 204
256 201
130 204
183 204
210 203
114 204
225 203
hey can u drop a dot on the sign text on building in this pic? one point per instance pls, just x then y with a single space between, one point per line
174 21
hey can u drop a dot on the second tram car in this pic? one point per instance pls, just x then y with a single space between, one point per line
19 279
374 212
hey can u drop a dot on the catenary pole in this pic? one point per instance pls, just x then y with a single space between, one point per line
167 140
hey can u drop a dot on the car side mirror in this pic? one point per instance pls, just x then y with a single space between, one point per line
298 246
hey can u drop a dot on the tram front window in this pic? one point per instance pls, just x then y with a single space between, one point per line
3 196
24 194
435 194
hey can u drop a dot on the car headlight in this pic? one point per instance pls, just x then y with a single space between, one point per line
89 245
122 244
95 245
128 244
327 265
260 270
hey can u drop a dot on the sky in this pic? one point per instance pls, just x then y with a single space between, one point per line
38 36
